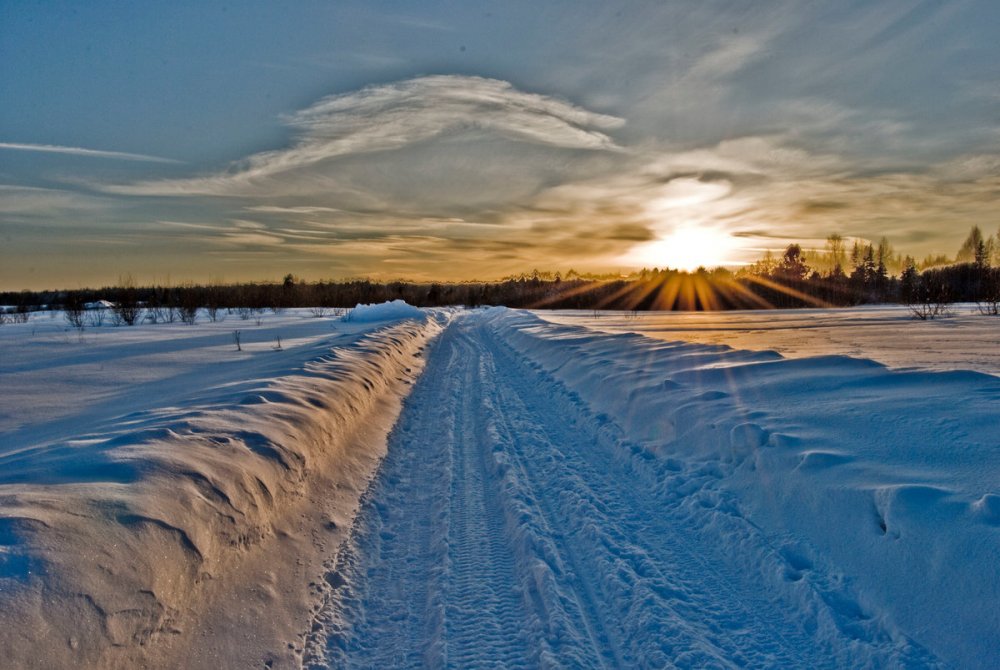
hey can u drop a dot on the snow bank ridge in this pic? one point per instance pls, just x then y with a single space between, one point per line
864 497
109 536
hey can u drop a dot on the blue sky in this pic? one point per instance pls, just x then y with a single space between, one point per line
195 141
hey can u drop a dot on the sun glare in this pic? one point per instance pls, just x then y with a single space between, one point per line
687 249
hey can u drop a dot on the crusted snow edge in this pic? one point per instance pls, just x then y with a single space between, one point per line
110 564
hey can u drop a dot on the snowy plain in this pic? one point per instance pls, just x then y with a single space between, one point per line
889 334
501 488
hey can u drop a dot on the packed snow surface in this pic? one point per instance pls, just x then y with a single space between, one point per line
385 311
557 496
546 494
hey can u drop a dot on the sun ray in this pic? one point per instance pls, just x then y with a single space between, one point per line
737 292
568 293
620 293
705 293
788 290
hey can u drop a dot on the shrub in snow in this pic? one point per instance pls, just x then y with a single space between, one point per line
96 317
930 301
73 310
989 298
127 309
386 311
17 314
188 308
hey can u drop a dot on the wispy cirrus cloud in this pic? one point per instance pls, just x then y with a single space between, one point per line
299 209
80 151
37 203
393 116
729 57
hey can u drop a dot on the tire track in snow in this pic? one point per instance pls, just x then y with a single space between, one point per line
653 572
508 527
425 578
584 605
484 611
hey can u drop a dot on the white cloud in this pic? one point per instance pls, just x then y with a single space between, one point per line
78 151
40 202
393 116
299 209
971 167
733 54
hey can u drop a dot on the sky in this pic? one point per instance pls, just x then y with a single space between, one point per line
205 141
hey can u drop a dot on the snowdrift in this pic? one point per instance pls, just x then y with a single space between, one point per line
867 497
109 542
385 311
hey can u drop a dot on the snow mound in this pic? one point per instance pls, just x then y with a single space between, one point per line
385 311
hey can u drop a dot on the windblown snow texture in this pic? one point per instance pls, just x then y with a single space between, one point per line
558 497
109 539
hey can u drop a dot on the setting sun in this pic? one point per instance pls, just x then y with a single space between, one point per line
687 248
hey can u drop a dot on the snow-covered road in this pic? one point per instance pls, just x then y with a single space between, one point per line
511 526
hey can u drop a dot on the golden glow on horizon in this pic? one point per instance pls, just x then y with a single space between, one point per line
685 291
686 248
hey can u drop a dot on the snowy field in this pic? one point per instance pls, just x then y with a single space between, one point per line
966 340
495 488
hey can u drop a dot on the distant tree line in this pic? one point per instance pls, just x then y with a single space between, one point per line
874 273
865 273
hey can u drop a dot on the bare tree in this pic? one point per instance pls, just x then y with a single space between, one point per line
930 301
188 314
127 309
96 316
989 297
19 315
187 306
73 310
837 252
